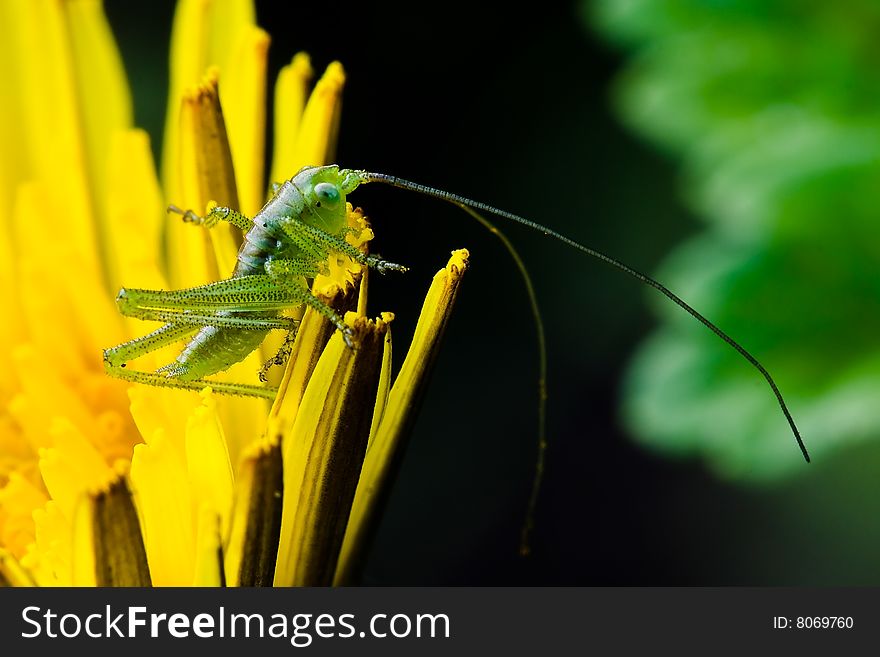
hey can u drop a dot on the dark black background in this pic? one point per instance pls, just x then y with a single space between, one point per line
509 105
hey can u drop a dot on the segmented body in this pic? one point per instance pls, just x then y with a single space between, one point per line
214 349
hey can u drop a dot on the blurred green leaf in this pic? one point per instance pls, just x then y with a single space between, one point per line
774 108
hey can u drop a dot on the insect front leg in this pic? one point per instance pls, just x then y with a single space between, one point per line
216 215
289 274
314 240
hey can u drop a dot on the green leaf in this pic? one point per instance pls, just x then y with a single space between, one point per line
774 109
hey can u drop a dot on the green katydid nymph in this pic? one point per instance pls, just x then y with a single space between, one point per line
285 244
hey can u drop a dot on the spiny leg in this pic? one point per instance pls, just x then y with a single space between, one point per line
287 275
282 287
207 319
303 234
280 358
257 293
216 215
299 236
215 304
223 387
116 358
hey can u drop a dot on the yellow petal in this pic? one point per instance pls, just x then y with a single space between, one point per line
256 517
209 552
11 571
198 255
388 441
16 455
243 95
102 97
189 60
14 158
11 333
324 452
72 467
50 559
18 500
291 91
136 215
161 487
210 471
243 418
51 123
83 553
229 20
59 286
311 337
120 556
102 90
201 36
316 137
163 410
384 382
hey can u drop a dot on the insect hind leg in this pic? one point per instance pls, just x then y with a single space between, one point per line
222 387
116 358
116 365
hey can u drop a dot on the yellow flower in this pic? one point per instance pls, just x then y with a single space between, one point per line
103 483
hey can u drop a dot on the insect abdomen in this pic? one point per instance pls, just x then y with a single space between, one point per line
257 246
264 238
213 350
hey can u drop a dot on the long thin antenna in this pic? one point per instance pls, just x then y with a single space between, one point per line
455 199
525 541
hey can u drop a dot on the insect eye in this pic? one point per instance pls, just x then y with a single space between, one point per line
327 193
